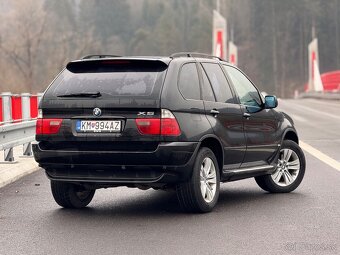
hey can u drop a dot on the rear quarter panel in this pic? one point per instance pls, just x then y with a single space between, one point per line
190 114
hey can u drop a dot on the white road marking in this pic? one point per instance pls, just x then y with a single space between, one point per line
320 155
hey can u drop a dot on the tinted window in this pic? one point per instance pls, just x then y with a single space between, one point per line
219 83
208 94
246 91
110 78
188 82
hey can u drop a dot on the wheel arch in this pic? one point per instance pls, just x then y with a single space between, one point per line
290 134
214 144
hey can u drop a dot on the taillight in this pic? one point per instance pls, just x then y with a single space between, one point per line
149 126
167 125
48 126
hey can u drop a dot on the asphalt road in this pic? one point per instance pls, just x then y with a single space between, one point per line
246 220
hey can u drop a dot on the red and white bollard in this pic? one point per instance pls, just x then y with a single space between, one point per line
26 115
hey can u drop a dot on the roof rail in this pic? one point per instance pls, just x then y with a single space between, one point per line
99 56
193 55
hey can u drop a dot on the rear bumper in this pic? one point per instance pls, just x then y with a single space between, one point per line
170 162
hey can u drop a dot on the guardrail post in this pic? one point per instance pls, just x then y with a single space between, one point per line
8 156
27 150
26 115
7 118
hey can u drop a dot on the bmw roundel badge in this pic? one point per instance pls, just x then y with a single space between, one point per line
97 112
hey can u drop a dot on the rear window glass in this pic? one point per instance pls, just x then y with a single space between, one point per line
111 78
188 82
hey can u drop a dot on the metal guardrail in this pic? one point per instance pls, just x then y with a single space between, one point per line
16 134
14 131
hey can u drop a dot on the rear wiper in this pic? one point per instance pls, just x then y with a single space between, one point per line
83 94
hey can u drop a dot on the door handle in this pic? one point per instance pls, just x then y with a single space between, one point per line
214 112
246 115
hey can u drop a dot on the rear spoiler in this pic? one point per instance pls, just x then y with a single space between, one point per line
116 65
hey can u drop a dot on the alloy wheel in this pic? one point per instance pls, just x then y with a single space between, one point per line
208 179
288 168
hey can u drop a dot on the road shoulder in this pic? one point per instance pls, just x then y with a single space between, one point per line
10 172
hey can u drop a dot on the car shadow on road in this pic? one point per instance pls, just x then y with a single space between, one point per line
158 204
235 199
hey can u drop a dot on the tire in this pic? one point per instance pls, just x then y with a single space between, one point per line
70 195
207 181
280 181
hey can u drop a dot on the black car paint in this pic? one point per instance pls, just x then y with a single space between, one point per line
246 142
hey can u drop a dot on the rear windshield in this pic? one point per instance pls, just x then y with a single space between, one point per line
112 78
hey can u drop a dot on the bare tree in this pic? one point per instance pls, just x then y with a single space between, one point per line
22 37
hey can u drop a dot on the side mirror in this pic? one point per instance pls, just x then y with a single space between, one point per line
270 102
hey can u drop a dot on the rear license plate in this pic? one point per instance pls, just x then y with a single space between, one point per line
98 126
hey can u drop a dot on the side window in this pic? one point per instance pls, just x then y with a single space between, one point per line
219 83
208 94
246 91
188 82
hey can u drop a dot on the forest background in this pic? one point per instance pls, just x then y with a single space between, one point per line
38 37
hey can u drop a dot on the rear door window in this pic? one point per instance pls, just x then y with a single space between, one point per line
219 82
112 78
188 82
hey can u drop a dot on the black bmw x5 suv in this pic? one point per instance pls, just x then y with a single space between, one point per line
185 122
